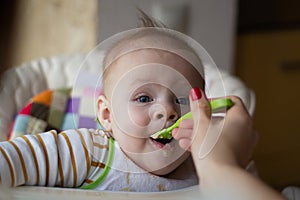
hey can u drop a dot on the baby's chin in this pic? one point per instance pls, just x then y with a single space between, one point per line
171 167
163 171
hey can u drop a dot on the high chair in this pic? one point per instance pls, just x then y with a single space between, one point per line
21 83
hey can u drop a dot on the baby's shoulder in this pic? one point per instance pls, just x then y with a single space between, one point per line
93 133
98 132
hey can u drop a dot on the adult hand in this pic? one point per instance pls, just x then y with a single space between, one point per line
221 148
228 140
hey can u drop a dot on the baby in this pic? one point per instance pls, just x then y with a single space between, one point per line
147 76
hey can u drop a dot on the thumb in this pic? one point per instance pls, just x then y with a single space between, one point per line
201 115
199 105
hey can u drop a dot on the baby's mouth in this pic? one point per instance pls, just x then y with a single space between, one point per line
162 141
162 137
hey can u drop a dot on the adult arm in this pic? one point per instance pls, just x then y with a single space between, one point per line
221 148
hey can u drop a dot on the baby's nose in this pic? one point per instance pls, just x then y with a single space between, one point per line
168 113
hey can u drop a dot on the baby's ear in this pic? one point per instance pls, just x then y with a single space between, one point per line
104 112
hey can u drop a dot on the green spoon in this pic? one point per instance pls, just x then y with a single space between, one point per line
216 105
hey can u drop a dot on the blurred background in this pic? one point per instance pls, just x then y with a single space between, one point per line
258 41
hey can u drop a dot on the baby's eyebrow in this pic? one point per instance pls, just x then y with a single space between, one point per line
137 81
140 81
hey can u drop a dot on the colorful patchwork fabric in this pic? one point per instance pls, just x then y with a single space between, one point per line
58 109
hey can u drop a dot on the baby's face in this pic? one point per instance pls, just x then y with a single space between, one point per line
148 91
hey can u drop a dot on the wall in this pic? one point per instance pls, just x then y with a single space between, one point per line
47 28
210 22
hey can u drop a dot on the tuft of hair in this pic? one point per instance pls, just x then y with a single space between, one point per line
145 20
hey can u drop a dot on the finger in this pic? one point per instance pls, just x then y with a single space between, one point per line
186 123
238 105
184 137
238 112
185 144
199 105
201 112
180 133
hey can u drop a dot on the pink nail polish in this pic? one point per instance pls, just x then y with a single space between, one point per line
195 94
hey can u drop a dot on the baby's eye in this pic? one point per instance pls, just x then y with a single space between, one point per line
144 99
182 101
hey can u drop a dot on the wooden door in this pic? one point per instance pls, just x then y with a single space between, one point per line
269 63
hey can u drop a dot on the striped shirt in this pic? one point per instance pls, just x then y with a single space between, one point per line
71 158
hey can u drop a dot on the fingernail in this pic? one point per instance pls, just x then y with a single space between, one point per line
195 94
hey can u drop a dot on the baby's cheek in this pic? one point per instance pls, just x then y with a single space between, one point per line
142 122
139 118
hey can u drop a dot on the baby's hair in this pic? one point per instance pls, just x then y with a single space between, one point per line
153 35
145 20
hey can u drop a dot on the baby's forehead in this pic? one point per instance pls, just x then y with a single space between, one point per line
147 39
153 65
149 58
133 49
